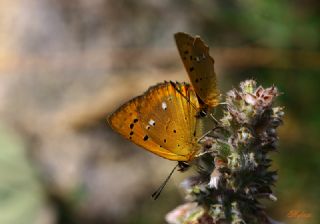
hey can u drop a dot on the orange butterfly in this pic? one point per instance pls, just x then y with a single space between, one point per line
165 120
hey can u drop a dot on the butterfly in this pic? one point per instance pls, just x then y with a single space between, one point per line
163 121
200 68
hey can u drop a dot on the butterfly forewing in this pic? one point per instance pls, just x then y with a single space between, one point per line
200 67
161 121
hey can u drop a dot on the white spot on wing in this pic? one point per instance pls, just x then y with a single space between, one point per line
152 122
164 105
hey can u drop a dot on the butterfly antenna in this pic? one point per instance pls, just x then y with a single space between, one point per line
157 193
202 112
208 132
175 87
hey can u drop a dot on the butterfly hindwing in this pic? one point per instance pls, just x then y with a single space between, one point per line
161 120
200 67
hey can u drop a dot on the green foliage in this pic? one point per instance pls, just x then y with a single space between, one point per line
21 196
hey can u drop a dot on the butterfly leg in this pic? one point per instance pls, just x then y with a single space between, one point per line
208 132
206 152
208 149
214 119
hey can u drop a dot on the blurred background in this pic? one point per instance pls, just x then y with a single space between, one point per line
66 65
